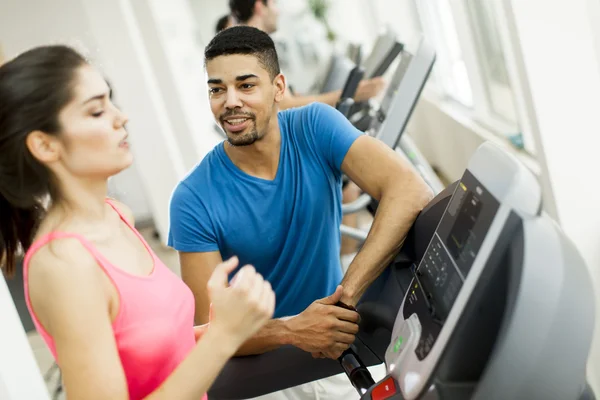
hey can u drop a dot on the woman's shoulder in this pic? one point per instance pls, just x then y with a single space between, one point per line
58 248
122 209
57 253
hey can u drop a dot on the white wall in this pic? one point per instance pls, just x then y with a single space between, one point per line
399 15
127 187
166 78
206 13
563 67
20 377
178 35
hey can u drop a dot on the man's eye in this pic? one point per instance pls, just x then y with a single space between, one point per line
247 86
214 90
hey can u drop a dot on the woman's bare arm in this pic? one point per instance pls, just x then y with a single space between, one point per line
70 300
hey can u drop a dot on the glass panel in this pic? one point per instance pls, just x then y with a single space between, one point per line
492 60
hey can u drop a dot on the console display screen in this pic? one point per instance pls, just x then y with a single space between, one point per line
392 90
460 236
449 257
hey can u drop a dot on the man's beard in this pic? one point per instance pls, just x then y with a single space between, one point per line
245 139
240 139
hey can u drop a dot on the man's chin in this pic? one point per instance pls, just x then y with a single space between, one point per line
240 141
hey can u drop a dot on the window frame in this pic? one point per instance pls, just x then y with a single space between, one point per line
482 88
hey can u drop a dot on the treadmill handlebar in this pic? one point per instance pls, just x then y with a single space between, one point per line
357 205
357 372
345 106
349 91
353 366
353 233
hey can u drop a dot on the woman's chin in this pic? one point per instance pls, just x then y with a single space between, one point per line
124 164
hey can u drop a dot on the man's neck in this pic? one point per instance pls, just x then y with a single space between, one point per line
260 159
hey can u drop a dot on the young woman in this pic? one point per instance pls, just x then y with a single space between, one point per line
118 322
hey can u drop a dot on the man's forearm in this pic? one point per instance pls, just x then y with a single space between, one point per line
396 212
273 335
291 101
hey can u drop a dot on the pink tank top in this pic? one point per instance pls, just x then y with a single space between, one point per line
154 325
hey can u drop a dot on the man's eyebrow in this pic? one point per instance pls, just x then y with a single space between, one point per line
240 78
244 77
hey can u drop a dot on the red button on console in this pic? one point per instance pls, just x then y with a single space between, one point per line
384 390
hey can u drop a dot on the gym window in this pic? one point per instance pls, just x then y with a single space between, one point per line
475 66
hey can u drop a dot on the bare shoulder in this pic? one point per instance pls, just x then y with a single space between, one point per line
60 263
123 209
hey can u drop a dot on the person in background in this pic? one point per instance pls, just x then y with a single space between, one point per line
226 21
118 322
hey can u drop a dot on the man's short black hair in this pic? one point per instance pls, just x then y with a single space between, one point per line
222 23
245 40
243 10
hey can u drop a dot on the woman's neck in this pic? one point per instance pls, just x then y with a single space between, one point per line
82 200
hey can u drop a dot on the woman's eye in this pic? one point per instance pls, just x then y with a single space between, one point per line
97 114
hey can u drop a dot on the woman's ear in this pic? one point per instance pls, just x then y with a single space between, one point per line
43 147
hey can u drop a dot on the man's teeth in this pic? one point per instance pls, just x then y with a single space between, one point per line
236 121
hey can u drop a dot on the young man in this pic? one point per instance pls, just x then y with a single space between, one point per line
271 195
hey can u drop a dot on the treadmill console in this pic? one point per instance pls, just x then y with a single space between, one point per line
476 321
449 276
448 260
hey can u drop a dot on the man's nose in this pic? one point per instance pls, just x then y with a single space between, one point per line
233 99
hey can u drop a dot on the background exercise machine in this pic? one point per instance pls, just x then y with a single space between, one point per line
392 117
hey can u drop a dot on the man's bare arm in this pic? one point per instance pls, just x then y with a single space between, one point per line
401 193
367 89
291 101
321 327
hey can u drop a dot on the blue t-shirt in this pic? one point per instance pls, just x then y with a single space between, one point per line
287 228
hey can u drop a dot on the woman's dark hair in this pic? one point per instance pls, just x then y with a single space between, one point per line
248 41
34 88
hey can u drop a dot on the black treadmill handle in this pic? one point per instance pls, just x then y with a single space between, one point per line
345 106
351 85
356 371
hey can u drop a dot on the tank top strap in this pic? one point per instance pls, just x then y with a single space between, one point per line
44 240
129 225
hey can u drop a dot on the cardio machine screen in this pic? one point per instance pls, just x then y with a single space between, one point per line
466 222
462 230
393 86
449 258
